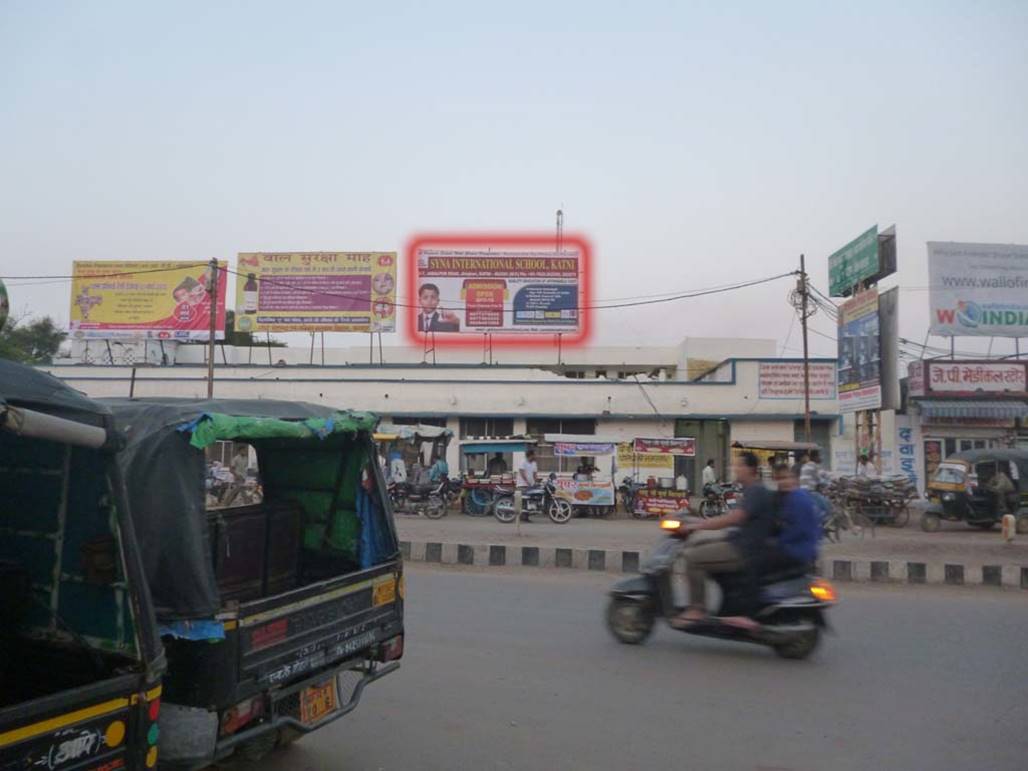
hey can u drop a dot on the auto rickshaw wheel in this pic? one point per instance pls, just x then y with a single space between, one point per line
287 736
931 522
902 516
1022 524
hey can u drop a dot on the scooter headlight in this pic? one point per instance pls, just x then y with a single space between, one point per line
670 524
823 591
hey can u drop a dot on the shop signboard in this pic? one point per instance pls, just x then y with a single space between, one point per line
165 300
907 460
316 292
784 380
661 501
859 374
972 377
481 291
978 289
683 445
915 378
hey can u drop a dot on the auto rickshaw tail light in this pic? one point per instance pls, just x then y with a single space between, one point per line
155 709
823 591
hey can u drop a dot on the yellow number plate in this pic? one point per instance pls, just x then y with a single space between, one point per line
317 701
385 592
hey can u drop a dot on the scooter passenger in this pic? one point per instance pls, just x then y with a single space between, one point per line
798 525
734 552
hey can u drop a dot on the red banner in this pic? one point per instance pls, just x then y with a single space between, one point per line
681 446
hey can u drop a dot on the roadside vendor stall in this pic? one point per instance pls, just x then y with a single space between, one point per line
593 488
414 447
771 451
481 489
663 495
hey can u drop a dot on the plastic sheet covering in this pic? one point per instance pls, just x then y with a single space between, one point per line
164 473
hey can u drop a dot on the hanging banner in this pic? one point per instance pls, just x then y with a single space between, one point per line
685 446
316 292
978 289
860 385
647 464
568 449
163 300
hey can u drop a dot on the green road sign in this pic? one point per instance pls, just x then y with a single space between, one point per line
855 262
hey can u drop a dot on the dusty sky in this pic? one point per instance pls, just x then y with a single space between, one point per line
694 145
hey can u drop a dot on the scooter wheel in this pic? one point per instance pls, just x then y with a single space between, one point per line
504 510
630 621
799 645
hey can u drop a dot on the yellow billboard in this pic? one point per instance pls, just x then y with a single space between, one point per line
646 464
316 292
129 299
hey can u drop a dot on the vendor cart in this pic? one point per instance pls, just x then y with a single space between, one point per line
590 493
480 490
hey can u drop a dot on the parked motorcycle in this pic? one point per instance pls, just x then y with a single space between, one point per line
544 499
425 499
718 499
792 603
627 492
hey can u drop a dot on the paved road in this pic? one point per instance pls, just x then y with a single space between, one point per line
955 543
515 671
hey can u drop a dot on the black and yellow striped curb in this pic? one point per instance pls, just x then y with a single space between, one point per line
628 561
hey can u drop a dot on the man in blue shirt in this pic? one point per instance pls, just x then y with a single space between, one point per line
799 525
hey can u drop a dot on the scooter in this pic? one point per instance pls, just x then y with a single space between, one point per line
791 614
546 499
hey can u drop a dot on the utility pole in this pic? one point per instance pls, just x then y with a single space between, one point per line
799 299
212 291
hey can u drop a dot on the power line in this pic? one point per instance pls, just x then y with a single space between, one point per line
180 266
611 305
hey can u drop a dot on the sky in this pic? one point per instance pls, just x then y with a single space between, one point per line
694 144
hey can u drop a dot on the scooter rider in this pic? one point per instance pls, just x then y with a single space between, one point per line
799 527
735 552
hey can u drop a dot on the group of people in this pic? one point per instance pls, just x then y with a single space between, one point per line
769 531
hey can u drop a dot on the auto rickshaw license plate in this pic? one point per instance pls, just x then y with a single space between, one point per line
317 701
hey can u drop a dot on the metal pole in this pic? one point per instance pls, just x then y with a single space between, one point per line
804 295
212 290
132 384
322 349
312 348
269 349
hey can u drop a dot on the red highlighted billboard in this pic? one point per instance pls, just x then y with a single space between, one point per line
516 290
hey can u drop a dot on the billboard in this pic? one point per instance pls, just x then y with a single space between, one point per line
316 292
978 289
859 370
629 461
517 289
868 257
784 380
148 299
482 291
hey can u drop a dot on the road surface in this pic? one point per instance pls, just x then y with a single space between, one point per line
510 670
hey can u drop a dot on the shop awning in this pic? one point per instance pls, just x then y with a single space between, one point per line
988 410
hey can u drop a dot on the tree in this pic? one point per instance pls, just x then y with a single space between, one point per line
31 341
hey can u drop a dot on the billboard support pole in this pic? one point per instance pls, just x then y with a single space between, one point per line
312 348
269 348
371 347
322 349
212 290
953 347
